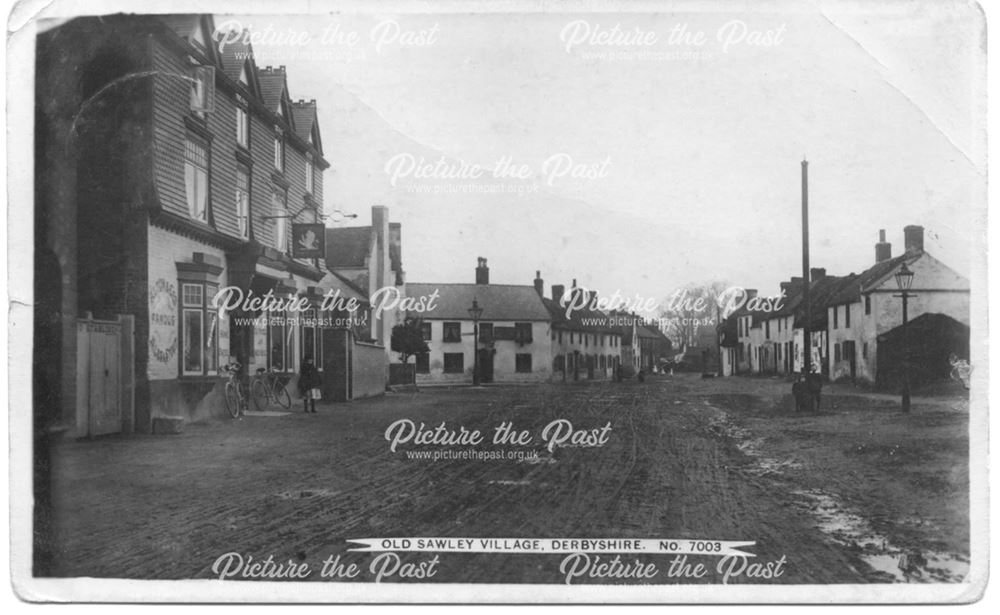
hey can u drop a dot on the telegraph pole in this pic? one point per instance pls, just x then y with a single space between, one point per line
806 346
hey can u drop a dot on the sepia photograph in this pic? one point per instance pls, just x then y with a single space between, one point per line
478 302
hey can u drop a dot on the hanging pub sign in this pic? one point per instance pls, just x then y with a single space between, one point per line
308 240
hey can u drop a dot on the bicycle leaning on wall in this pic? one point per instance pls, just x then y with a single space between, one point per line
267 389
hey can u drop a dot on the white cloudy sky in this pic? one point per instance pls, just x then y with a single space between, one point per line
703 175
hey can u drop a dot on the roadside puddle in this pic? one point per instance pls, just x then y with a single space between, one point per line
848 529
844 527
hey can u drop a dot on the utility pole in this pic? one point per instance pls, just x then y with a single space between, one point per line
806 346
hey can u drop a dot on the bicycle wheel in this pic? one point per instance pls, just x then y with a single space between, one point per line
281 394
232 400
258 390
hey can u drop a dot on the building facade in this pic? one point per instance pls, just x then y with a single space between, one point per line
184 170
514 342
584 344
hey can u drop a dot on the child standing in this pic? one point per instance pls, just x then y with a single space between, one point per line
309 383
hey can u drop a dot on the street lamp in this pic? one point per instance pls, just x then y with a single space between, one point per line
475 312
904 279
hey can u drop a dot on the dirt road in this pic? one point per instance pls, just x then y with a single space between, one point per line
840 495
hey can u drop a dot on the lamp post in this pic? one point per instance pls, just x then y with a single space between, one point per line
904 279
475 312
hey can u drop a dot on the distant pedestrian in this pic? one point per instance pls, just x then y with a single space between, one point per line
309 383
618 373
642 376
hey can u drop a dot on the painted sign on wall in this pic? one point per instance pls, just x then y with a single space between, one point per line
162 329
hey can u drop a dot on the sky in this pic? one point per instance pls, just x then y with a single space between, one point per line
648 158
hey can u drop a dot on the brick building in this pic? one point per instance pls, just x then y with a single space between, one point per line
166 171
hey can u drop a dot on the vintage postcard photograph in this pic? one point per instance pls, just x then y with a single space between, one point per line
471 302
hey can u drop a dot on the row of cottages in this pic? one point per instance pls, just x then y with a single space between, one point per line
166 171
525 336
855 325
585 346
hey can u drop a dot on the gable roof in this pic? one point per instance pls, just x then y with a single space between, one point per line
500 302
348 247
579 319
306 122
863 281
274 90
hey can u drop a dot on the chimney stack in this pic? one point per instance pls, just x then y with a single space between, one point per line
913 238
539 284
883 250
482 272
751 293
591 296
557 292
817 273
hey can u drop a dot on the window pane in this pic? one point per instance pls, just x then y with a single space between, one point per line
192 342
192 295
277 335
212 342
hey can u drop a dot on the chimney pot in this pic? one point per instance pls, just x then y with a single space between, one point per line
482 272
883 250
557 292
913 238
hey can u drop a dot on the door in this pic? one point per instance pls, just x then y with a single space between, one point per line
336 365
485 365
852 358
99 377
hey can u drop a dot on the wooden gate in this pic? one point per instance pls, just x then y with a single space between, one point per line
105 386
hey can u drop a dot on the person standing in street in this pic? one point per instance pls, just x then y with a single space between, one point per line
309 383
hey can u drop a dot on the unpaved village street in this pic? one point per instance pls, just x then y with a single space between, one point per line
840 495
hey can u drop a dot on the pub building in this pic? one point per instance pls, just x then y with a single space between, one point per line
166 170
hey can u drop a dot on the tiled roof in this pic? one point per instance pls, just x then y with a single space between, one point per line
234 55
348 289
863 281
577 317
183 25
347 248
272 85
304 114
499 302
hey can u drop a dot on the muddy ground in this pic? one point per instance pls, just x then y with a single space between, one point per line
841 495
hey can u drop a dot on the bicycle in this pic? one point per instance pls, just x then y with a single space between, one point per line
237 400
267 389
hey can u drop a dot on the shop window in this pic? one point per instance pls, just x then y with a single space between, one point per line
452 332
196 178
522 363
425 330
424 363
310 337
279 340
454 363
243 202
199 333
